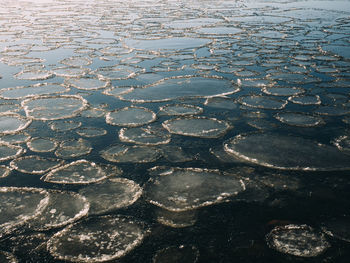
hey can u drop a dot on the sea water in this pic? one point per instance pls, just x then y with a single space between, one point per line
174 131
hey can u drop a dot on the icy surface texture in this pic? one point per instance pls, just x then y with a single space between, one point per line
97 239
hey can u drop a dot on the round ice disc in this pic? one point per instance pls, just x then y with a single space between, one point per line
182 189
77 172
54 107
299 119
97 239
297 240
20 204
111 194
181 87
197 127
145 135
287 152
35 164
9 151
62 209
130 117
11 123
135 154
262 102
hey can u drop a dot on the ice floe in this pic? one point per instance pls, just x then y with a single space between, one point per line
297 240
77 172
197 127
183 189
97 239
130 116
145 135
287 152
111 194
33 164
54 107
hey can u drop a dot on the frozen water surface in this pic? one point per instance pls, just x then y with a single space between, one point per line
278 91
77 172
9 151
90 132
180 109
187 189
73 148
145 135
338 228
287 152
333 110
4 171
306 99
87 83
181 87
262 102
166 44
33 90
76 61
9 108
134 154
7 257
16 138
110 195
185 254
64 126
70 72
116 73
190 23
12 123
42 144
343 143
297 240
29 244
35 164
176 154
197 127
176 219
34 75
62 209
93 113
116 91
97 239
129 85
298 119
219 30
19 205
221 103
54 107
130 117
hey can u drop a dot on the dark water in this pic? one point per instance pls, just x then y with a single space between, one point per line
196 131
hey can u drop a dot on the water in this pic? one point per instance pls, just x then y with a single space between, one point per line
174 131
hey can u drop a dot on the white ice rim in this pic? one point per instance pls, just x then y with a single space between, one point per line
19 152
47 176
84 106
237 89
23 219
78 216
166 123
20 117
130 124
32 95
124 138
14 166
256 161
81 258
